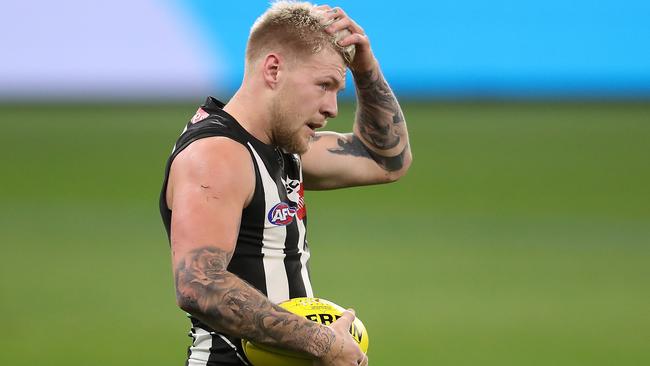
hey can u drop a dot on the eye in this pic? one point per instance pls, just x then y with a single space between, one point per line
324 86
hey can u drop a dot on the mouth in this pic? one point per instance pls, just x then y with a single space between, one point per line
313 126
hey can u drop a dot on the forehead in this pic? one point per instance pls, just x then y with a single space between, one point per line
325 63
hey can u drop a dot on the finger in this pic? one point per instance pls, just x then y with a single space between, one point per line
327 16
343 23
348 317
355 38
363 361
338 25
336 11
355 28
333 13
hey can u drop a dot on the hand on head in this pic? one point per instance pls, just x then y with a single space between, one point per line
364 60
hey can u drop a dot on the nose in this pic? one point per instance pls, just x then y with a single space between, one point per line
330 109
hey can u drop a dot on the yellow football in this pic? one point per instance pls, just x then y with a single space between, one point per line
318 310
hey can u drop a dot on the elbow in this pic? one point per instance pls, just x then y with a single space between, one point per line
200 299
198 309
393 175
186 299
187 302
189 296
202 309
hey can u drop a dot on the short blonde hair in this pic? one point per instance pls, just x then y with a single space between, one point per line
297 27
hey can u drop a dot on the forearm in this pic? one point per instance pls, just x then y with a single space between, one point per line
205 289
380 125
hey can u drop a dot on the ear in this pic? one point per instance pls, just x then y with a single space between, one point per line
271 69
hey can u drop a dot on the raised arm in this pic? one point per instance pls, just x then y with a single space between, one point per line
377 151
210 183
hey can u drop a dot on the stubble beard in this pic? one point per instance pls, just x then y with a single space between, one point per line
290 140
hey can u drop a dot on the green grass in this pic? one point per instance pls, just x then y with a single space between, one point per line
521 236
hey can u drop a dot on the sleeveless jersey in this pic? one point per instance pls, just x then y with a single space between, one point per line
271 252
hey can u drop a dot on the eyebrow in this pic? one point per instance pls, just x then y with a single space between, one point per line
339 83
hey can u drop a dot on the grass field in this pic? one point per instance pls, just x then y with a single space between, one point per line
521 236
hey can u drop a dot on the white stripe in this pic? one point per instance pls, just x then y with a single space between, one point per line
200 348
277 284
304 252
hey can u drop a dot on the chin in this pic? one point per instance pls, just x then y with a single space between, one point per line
296 147
301 149
296 143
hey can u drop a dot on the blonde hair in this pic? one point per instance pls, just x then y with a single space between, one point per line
295 26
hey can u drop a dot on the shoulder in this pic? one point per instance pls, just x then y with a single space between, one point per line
216 149
220 163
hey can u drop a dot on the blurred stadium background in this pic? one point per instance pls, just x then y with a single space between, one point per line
520 236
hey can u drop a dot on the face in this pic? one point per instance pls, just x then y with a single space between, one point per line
306 97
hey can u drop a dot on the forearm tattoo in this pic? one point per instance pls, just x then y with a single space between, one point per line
205 289
379 123
352 145
379 120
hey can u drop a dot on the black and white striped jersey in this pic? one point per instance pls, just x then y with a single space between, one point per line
271 251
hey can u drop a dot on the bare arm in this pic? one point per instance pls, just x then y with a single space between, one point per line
380 132
210 183
205 289
377 151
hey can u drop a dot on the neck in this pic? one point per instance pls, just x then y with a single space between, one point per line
252 116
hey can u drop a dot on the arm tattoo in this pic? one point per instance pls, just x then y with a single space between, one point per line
379 119
205 289
352 145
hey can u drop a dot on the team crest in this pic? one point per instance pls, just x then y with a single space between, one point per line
296 194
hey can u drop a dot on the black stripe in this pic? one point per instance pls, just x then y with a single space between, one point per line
292 263
222 354
248 261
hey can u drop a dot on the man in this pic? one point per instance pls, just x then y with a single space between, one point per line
233 201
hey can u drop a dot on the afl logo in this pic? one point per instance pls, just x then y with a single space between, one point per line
281 214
